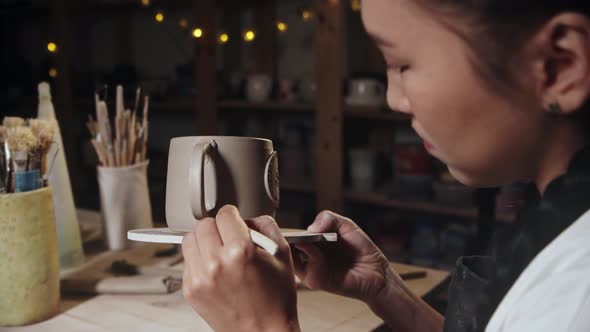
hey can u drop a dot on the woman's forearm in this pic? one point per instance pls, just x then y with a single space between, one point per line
404 311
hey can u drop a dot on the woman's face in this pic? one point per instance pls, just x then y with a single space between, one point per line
484 138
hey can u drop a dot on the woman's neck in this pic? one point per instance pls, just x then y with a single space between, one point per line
564 141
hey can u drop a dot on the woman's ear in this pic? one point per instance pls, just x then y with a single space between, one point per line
565 59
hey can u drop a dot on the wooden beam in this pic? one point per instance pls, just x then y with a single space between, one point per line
205 68
329 71
265 43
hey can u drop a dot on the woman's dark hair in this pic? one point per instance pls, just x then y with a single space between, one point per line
497 29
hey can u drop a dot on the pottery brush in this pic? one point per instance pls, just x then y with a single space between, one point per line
137 96
101 152
11 122
96 102
105 132
138 144
125 135
7 168
92 126
119 120
146 105
96 140
21 140
131 129
3 162
43 131
2 134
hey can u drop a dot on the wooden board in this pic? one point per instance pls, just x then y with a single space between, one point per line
166 235
265 42
205 103
329 72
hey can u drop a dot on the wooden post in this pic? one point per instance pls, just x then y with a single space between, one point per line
329 71
265 43
63 88
205 67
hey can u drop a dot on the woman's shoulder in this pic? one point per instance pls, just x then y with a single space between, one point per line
553 291
568 250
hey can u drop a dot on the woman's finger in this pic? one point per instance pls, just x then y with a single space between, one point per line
268 226
192 256
208 238
232 228
328 221
311 251
307 255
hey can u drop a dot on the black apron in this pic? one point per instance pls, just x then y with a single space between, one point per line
480 282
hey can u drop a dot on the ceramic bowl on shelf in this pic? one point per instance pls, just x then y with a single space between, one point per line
258 87
365 92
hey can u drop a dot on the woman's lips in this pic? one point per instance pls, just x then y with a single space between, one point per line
427 145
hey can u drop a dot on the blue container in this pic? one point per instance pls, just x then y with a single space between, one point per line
27 181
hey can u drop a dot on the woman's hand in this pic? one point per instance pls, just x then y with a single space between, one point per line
353 266
232 283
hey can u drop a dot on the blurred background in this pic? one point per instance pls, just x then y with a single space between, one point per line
302 73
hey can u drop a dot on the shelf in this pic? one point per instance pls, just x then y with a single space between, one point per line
185 106
357 112
417 206
266 106
375 113
426 207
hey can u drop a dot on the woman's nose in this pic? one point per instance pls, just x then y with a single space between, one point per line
397 101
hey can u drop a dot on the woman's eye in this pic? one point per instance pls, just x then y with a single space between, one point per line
403 68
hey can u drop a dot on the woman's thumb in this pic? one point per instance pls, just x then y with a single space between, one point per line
326 221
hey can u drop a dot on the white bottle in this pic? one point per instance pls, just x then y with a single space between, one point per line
66 220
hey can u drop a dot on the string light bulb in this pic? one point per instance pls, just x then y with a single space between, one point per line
183 23
281 26
197 33
249 36
223 38
52 47
306 15
145 3
52 72
355 5
159 17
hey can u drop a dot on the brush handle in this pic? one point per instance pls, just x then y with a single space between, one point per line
264 242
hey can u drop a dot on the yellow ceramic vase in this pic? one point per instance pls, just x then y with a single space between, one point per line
29 263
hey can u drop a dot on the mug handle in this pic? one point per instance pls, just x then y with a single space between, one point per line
271 178
202 205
